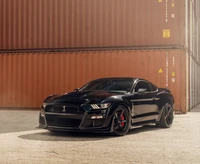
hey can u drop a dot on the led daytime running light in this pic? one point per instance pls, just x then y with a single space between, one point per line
100 106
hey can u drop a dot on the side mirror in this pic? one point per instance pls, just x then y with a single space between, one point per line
76 90
142 90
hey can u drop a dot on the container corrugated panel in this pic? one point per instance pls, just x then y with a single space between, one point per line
194 51
34 24
194 84
194 28
192 87
28 78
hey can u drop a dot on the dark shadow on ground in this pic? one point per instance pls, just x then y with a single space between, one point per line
64 136
80 136
144 128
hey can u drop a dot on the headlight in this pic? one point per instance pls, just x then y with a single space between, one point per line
100 106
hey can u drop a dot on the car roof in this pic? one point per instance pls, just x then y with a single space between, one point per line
117 78
134 79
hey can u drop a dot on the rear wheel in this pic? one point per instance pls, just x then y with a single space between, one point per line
121 121
166 117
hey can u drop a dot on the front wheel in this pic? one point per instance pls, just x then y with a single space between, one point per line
166 117
121 121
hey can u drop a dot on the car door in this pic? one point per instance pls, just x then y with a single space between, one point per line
144 102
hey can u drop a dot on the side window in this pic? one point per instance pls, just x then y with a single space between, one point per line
143 85
153 87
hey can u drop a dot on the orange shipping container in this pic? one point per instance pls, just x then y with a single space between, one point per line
27 78
35 24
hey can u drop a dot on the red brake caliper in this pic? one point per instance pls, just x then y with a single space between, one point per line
122 119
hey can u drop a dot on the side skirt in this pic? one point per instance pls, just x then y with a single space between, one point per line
145 117
143 123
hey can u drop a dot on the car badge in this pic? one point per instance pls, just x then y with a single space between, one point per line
64 109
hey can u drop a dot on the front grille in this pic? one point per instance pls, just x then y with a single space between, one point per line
69 109
62 122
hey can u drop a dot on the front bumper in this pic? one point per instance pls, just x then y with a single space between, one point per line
77 122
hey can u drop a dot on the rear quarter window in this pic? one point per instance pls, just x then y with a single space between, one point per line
153 87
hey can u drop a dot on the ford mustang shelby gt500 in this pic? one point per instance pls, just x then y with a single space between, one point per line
108 105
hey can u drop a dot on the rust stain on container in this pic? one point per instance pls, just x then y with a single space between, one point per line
35 24
28 78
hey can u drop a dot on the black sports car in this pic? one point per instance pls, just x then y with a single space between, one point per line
108 105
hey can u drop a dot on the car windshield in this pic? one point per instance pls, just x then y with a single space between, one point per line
112 85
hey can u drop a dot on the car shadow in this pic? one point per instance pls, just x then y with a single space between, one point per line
81 136
142 129
65 136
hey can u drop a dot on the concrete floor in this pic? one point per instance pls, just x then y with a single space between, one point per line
21 142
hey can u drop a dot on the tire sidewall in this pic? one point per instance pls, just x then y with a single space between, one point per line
128 119
163 120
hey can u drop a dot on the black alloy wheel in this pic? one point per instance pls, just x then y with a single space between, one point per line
121 121
167 116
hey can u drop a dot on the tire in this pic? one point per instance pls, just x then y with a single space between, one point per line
167 116
121 121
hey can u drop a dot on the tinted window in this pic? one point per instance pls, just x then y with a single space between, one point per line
153 87
143 85
109 85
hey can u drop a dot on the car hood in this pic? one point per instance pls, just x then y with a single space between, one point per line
82 97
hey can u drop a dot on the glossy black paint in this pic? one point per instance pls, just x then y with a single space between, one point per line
73 111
